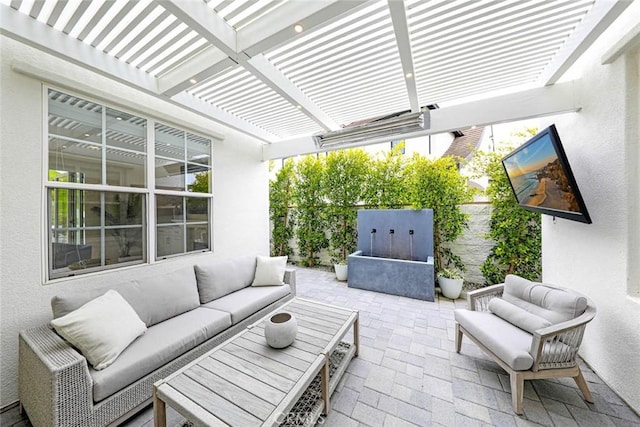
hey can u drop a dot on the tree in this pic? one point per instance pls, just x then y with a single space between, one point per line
201 183
438 185
385 186
344 186
310 204
281 192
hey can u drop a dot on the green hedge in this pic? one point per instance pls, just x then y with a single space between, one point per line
328 191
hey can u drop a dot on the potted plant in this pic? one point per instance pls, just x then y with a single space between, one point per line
341 269
450 281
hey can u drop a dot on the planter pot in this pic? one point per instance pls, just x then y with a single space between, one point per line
341 271
450 288
280 330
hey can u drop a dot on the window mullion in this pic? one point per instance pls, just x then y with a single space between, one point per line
184 224
151 196
104 145
184 199
103 234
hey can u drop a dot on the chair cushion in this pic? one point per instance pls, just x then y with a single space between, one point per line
220 277
517 316
243 303
510 343
101 329
546 301
155 298
270 271
159 345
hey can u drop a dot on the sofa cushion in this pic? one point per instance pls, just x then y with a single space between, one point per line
510 343
220 277
159 345
551 303
243 303
270 271
155 298
517 316
101 329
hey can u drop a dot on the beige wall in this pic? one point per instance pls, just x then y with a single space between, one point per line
601 259
240 211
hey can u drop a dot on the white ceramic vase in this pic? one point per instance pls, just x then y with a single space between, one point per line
341 271
451 288
280 330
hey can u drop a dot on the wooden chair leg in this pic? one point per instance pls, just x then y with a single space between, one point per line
582 385
517 392
458 338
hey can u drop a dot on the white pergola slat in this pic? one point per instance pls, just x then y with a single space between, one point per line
241 62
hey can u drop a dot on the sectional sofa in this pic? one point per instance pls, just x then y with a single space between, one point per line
186 313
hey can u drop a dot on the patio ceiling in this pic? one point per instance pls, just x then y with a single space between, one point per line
243 63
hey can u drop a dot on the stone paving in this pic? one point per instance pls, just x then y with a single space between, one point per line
408 373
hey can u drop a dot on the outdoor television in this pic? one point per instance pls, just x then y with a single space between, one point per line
541 178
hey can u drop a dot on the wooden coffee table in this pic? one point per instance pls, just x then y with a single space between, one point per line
244 382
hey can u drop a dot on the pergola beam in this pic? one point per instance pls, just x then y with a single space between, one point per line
260 67
625 44
31 32
276 28
207 63
197 16
595 22
216 31
263 34
539 102
401 30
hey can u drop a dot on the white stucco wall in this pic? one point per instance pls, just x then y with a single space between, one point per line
600 259
240 212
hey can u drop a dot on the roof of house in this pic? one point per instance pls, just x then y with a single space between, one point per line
463 146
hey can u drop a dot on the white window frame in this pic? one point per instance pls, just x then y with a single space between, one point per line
149 191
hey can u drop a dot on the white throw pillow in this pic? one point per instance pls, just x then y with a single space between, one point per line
101 329
270 271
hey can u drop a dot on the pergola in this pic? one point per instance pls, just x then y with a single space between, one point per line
281 71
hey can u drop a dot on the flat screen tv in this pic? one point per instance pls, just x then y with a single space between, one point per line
541 178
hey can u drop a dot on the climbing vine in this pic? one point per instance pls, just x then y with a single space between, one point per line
517 232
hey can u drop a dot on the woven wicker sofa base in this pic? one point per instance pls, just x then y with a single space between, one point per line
56 389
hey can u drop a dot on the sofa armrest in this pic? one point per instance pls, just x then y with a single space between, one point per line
54 381
290 279
478 300
556 346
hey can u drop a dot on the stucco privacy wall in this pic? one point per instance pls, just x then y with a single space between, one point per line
601 142
240 204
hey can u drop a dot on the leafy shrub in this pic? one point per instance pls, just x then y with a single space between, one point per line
385 186
438 185
280 201
310 205
344 185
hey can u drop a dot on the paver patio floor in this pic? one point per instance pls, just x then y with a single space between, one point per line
409 374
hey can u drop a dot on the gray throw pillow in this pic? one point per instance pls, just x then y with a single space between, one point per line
517 316
220 277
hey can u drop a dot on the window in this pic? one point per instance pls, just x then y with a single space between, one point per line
183 186
100 177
